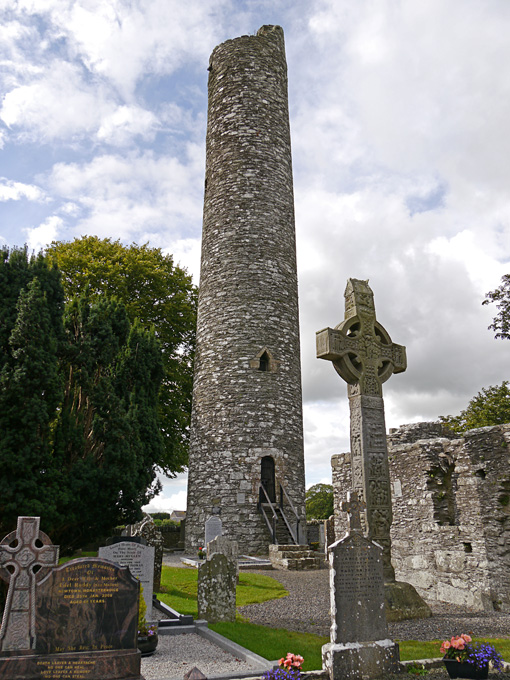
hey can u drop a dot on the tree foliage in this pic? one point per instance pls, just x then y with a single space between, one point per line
319 501
80 436
501 298
491 406
161 296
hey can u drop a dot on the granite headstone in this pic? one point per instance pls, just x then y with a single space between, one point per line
359 647
213 528
216 590
224 546
153 536
72 622
140 560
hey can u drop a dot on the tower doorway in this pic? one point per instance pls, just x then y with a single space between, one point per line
267 477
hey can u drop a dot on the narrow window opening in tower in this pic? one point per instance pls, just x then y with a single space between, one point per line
264 362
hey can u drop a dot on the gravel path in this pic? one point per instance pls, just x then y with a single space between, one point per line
306 609
178 654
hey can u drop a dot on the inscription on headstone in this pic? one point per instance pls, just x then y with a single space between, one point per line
140 560
213 528
79 620
359 647
359 590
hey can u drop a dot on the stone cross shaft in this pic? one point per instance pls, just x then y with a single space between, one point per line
26 555
364 356
353 506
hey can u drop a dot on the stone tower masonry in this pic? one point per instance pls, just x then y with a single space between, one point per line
247 410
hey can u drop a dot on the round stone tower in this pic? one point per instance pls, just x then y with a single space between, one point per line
246 427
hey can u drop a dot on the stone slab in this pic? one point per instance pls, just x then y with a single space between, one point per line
213 528
99 665
86 605
360 661
357 590
216 589
140 560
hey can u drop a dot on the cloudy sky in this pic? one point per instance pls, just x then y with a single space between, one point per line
399 115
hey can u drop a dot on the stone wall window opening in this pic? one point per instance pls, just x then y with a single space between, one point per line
468 548
267 478
442 482
264 362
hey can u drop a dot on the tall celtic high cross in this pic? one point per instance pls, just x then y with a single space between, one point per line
364 356
26 556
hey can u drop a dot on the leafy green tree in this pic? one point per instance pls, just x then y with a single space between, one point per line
80 436
161 296
30 393
501 298
319 501
491 406
107 436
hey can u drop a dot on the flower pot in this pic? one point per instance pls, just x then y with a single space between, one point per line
463 669
147 644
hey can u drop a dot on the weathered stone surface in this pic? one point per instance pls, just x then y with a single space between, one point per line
360 662
153 536
216 592
359 647
293 557
364 356
140 560
247 403
451 528
213 528
26 557
329 533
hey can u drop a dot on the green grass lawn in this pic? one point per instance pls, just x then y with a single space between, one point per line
179 589
63 560
180 592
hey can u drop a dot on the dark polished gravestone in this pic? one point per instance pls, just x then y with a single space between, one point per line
78 621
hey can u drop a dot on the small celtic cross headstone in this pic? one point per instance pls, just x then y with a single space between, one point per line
26 556
365 357
353 506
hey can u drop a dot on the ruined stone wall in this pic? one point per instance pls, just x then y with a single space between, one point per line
248 304
451 512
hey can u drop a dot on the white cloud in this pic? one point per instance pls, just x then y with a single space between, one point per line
161 503
124 123
39 237
186 253
15 191
135 197
57 105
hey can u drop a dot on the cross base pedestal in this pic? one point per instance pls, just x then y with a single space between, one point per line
360 660
402 602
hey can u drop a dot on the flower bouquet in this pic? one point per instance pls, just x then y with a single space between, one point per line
289 668
147 633
464 658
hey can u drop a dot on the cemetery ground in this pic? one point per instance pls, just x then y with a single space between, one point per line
282 611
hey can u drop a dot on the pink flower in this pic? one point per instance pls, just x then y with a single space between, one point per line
466 638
